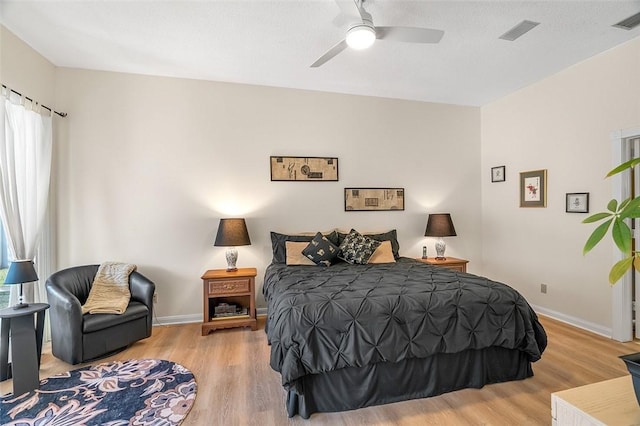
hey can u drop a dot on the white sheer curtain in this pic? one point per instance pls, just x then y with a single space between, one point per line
25 170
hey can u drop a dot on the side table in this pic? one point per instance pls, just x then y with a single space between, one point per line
450 262
26 346
235 288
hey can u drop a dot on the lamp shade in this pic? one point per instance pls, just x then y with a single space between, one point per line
21 271
232 232
440 225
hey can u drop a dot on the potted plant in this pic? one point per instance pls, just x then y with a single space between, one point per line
614 220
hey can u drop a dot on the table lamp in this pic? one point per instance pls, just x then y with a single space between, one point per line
232 233
440 225
20 272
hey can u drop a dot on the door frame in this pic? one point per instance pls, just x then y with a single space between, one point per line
621 294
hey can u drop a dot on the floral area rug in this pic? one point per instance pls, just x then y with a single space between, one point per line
135 392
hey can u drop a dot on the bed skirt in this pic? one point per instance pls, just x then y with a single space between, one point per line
383 383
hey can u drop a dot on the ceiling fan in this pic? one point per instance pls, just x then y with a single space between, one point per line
362 35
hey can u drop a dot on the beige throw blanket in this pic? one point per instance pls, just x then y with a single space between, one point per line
110 291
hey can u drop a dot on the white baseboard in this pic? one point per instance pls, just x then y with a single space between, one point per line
186 319
177 319
576 322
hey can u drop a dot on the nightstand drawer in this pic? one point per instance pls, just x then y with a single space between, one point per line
459 268
229 286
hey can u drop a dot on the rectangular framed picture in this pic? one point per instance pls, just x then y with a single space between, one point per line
373 199
498 174
577 202
533 188
304 169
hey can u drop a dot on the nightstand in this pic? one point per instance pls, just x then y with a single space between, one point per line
453 263
224 289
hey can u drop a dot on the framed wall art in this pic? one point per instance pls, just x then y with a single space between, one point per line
304 169
373 199
498 174
577 202
533 188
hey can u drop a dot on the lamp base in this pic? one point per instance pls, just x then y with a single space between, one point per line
232 257
21 304
440 248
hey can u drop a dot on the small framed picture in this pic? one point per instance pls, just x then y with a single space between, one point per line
498 174
578 202
533 188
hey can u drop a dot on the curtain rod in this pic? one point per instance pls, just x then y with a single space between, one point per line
61 114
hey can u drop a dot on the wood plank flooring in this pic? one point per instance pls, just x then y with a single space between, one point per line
236 386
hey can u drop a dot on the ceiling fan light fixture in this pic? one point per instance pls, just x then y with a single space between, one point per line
361 36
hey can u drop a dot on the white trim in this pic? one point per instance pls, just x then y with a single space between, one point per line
576 322
261 312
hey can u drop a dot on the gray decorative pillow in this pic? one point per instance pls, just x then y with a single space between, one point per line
320 250
357 248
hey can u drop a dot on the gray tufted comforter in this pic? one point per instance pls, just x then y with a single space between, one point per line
326 318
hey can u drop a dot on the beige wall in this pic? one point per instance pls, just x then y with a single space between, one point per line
25 70
150 164
562 124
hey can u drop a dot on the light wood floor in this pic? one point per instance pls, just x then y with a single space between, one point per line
236 386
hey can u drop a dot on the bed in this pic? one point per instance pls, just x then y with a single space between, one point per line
347 336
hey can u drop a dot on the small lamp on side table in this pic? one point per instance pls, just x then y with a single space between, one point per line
440 225
20 272
232 233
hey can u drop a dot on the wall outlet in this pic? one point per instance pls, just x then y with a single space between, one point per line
543 288
155 297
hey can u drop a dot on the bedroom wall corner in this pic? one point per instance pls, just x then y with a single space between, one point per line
562 124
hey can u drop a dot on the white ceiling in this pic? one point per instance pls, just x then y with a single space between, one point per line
272 43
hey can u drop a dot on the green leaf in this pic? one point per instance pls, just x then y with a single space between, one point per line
596 217
613 205
630 209
624 204
634 214
621 235
636 262
596 236
619 269
624 166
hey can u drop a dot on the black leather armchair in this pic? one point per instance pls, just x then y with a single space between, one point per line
77 338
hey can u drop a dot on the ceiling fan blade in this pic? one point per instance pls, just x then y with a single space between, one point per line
364 15
330 54
348 13
409 34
